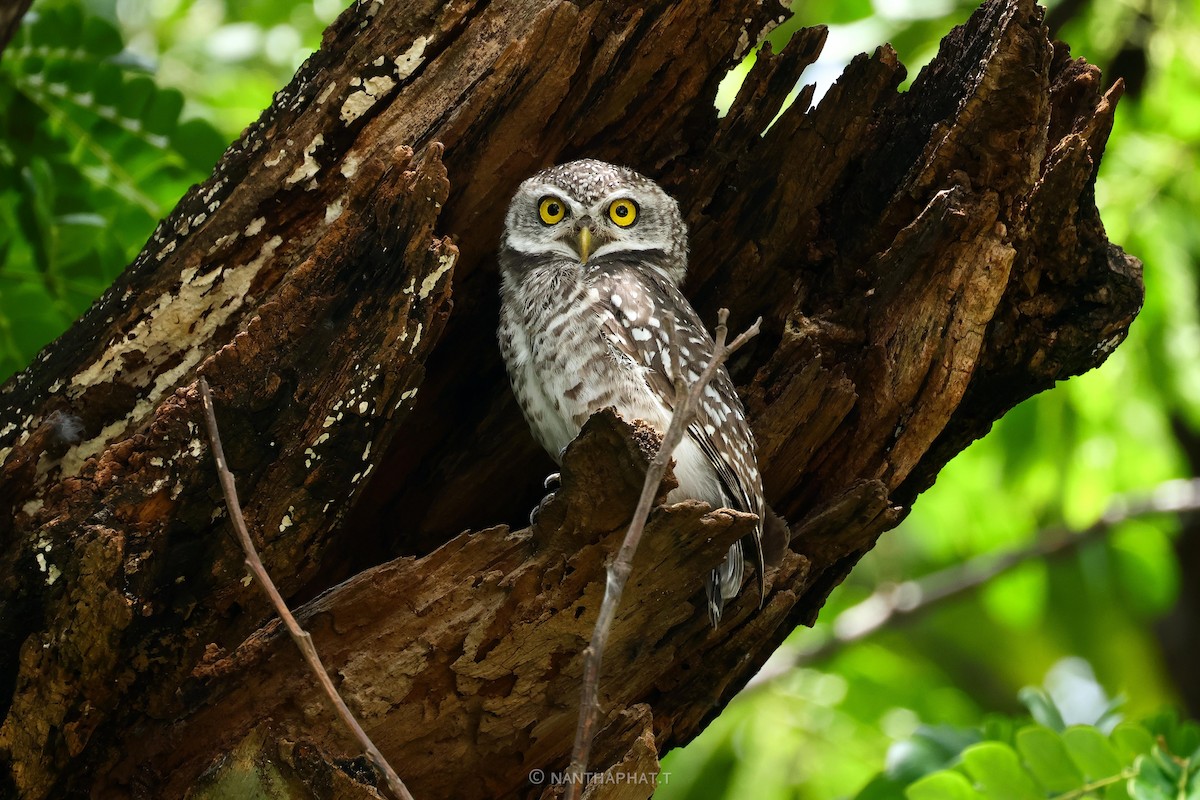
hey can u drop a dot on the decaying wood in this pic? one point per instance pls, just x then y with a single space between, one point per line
922 261
300 636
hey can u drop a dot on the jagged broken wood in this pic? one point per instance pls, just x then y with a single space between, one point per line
922 260
299 635
686 399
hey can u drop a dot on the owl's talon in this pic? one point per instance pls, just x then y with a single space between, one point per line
533 515
553 479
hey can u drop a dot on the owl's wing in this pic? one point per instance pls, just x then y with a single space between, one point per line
637 326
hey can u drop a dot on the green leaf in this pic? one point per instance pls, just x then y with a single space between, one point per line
1150 782
1092 752
1132 740
1046 757
100 38
162 114
997 770
948 785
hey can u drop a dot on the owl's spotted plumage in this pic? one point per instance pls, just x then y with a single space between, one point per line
591 261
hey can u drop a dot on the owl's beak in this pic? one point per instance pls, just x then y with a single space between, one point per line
585 244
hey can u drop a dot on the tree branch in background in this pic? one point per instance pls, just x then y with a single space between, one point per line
11 14
618 571
892 603
299 635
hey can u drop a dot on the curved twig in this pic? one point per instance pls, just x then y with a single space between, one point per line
299 635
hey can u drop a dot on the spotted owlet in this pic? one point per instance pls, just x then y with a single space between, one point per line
591 261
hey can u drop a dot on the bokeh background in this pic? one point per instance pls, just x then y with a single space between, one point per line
1045 556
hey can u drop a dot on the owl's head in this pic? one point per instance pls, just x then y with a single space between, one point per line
588 212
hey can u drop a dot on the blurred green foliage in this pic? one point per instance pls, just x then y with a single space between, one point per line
1041 756
109 109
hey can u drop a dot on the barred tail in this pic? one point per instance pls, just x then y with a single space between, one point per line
724 581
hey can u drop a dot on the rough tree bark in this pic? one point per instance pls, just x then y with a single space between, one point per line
923 260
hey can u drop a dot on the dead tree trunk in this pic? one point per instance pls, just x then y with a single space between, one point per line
923 261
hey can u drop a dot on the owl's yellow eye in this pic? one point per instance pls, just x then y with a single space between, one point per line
623 212
551 210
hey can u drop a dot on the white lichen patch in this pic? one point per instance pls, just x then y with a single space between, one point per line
255 226
328 90
334 210
222 240
51 572
189 314
309 166
410 59
360 102
350 165
445 263
275 159
286 522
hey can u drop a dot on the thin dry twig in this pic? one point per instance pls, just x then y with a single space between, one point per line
299 635
618 571
894 603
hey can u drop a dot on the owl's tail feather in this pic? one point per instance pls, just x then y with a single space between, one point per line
771 544
769 547
724 582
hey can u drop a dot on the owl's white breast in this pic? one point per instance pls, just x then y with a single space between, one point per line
563 369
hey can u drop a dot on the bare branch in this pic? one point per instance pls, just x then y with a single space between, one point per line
299 635
618 571
893 603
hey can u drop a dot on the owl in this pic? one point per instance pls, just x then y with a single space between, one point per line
591 260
